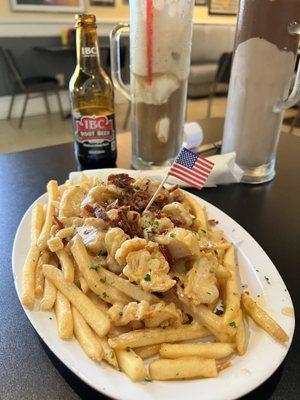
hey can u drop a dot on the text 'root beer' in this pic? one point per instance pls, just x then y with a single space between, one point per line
92 101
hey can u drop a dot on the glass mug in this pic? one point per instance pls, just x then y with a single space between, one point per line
266 47
160 46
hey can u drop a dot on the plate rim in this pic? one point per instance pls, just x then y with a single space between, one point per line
107 391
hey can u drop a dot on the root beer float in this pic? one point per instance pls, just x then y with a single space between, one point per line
262 70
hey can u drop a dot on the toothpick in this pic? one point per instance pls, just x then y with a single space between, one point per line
157 191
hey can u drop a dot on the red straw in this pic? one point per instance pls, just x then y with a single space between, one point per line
149 20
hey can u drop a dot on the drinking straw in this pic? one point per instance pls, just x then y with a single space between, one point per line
149 42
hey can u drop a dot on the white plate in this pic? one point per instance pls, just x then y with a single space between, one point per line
263 357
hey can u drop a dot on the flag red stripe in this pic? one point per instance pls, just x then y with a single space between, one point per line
188 175
200 164
202 169
195 174
191 182
205 161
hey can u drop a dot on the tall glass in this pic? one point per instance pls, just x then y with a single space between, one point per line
160 45
266 46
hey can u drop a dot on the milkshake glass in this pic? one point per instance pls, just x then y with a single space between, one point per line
266 46
160 45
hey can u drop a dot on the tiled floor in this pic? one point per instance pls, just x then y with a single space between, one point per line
44 130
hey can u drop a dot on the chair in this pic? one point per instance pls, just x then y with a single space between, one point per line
222 76
32 87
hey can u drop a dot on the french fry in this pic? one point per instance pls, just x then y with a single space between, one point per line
232 297
109 354
83 260
125 286
199 212
86 337
39 276
222 273
28 276
147 351
183 368
52 190
83 284
203 315
146 337
66 232
98 301
55 244
49 296
37 221
241 337
93 316
131 364
64 317
263 319
204 350
67 265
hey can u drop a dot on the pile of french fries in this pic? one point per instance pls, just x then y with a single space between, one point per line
59 274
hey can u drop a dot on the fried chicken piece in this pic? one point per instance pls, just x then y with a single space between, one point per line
148 268
113 241
178 212
201 284
153 316
129 246
180 242
70 202
92 235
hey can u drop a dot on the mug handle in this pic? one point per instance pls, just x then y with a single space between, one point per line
115 59
294 97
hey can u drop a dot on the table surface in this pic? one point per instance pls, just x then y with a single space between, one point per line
270 213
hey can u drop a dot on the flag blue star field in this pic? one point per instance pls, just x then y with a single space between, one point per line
189 167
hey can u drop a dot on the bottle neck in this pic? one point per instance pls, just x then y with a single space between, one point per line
88 54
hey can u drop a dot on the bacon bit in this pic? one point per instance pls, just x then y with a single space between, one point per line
176 221
212 222
131 228
101 214
58 223
172 188
120 180
113 205
139 200
90 209
166 253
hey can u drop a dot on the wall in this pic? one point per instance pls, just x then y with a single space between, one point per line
117 13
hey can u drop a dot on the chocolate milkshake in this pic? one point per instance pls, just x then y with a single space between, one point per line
160 45
262 70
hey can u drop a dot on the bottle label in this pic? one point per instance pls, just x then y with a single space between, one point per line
95 134
88 51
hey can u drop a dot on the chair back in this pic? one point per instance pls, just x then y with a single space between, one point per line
224 68
12 68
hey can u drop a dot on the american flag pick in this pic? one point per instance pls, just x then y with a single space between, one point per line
191 168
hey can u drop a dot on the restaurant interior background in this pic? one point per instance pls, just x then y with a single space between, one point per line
35 41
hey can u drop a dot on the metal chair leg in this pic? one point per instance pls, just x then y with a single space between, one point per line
59 104
210 99
127 116
11 106
293 124
23 110
46 102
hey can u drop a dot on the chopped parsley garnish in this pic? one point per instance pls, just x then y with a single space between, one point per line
103 280
147 379
112 354
267 279
155 224
104 295
50 317
233 324
147 278
128 349
172 235
204 231
94 266
235 293
208 292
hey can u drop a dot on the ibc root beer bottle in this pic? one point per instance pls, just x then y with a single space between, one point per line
92 101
